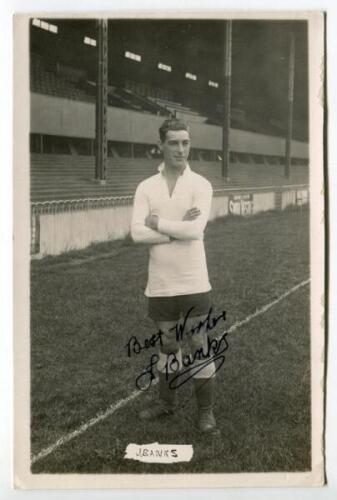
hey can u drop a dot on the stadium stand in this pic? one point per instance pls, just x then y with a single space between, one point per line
43 80
58 81
50 81
62 81
67 167
63 167
55 177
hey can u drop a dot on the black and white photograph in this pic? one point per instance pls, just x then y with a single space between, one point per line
171 330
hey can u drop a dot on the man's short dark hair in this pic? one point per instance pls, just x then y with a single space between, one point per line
171 124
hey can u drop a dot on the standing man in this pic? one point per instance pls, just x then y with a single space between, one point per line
170 213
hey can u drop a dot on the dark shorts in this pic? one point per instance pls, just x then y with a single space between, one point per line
174 308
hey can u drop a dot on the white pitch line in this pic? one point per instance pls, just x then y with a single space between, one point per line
123 402
90 423
265 308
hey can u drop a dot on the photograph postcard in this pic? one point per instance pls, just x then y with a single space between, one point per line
169 243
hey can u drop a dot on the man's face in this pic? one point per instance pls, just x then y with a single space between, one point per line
176 148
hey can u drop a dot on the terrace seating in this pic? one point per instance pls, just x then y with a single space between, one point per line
45 81
180 110
143 103
60 177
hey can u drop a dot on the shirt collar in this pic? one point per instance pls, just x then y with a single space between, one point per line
186 170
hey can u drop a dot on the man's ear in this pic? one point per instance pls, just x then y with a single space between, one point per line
160 146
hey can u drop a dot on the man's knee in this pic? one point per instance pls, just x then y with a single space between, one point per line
198 334
198 341
169 344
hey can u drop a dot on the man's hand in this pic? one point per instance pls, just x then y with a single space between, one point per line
192 214
152 221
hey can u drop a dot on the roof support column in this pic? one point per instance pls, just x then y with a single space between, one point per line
291 75
227 98
101 141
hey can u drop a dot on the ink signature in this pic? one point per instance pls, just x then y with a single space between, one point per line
191 364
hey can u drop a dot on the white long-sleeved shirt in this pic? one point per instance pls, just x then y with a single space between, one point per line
178 266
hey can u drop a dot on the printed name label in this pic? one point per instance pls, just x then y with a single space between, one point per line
159 453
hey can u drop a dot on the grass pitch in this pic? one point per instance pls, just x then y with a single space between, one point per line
84 307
